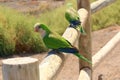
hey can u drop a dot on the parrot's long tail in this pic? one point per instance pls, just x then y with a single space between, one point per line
75 52
82 30
82 57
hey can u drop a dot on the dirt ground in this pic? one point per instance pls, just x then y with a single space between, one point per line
109 67
34 7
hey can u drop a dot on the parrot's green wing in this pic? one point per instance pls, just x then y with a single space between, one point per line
70 7
55 41
71 16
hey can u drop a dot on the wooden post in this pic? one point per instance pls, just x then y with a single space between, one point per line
20 69
85 40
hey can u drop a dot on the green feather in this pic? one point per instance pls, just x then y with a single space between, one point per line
53 40
82 57
82 30
72 15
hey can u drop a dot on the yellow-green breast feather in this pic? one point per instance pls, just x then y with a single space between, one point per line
55 41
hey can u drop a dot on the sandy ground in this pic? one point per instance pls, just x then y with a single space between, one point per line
109 67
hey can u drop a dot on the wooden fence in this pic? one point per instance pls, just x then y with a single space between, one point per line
27 68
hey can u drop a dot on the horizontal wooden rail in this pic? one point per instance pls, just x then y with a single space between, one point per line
99 4
105 50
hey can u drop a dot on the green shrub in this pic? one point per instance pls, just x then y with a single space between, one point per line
107 16
17 34
7 43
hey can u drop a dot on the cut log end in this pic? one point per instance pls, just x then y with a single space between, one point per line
24 68
16 61
85 74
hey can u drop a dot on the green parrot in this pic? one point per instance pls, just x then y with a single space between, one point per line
72 17
54 41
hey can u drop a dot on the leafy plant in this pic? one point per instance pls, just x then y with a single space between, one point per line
17 34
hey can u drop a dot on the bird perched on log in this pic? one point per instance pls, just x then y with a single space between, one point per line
56 42
72 17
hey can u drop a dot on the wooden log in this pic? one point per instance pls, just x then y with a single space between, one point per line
51 65
25 68
85 74
85 40
105 50
99 4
